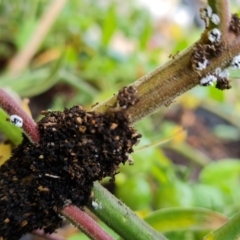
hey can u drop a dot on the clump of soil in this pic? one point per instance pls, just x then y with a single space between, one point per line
235 24
76 149
127 97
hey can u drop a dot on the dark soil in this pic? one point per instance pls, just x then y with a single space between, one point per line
76 149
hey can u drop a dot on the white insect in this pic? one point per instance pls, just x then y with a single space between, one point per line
221 73
235 62
215 19
214 35
208 80
16 120
206 12
96 205
202 65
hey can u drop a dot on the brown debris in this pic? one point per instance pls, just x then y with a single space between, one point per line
77 158
223 84
202 52
199 55
214 50
235 24
127 97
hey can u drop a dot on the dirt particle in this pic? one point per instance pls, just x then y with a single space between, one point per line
24 223
7 220
127 97
235 24
113 126
223 84
43 189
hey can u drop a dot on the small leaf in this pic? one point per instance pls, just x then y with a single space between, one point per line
13 133
179 219
229 231
221 172
109 25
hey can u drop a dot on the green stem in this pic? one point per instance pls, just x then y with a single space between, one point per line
229 231
120 218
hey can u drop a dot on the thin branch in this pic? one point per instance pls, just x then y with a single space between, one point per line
121 218
85 223
165 83
12 108
22 59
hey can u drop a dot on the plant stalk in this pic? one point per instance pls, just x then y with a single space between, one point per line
85 223
121 218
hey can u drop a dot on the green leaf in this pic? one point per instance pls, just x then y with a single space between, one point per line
32 83
179 219
109 25
207 196
221 173
174 194
13 133
229 231
140 193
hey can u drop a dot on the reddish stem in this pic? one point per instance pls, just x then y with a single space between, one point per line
80 219
12 108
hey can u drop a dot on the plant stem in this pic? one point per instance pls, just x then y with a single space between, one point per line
222 9
85 223
120 218
12 108
191 154
165 83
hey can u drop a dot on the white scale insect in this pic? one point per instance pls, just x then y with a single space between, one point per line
207 14
235 62
202 65
214 35
16 120
208 80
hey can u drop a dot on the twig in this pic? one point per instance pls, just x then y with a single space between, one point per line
120 218
191 154
12 108
85 223
22 59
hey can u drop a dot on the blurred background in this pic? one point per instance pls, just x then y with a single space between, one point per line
62 53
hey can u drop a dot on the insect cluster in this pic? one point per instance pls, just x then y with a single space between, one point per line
203 53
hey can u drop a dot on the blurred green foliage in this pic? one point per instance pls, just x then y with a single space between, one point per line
89 61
